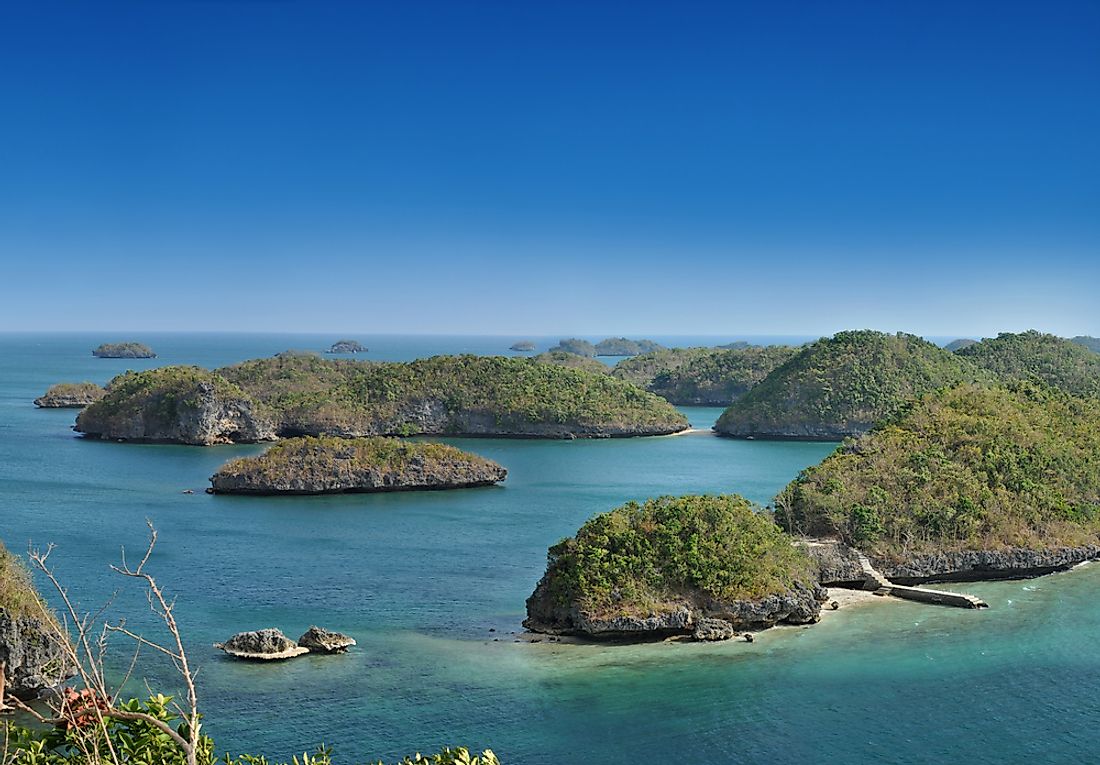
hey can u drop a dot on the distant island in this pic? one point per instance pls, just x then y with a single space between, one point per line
124 351
971 482
621 346
1056 361
958 345
707 566
575 345
347 346
265 399
523 346
1092 343
842 385
70 396
332 465
702 376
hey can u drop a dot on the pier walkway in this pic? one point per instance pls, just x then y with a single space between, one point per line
880 585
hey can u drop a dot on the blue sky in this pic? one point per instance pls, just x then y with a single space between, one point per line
557 167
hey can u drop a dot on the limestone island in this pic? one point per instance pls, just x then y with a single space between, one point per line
32 654
974 482
575 345
271 398
523 346
332 465
1086 341
707 566
70 396
272 645
621 346
703 376
124 351
346 346
958 345
842 385
1062 363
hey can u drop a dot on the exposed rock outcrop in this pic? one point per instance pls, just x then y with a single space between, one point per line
335 465
262 645
711 630
70 396
33 656
319 640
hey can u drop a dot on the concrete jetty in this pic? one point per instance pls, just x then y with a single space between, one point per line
880 585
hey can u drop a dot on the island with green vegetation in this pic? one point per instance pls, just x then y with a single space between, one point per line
1092 343
842 385
702 376
572 361
124 351
346 347
958 345
523 346
675 566
269 398
575 345
1035 355
970 482
331 465
621 346
31 654
70 396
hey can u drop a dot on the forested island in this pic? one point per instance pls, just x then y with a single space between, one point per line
958 345
1035 355
124 351
575 345
70 396
265 399
702 376
332 465
346 347
523 346
842 385
621 346
707 566
1092 343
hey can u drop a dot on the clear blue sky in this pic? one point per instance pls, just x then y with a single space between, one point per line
554 167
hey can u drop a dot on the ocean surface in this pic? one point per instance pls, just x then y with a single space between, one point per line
432 585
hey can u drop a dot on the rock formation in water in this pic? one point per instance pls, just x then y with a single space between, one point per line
347 346
124 351
320 640
262 645
70 396
454 395
339 465
666 566
523 346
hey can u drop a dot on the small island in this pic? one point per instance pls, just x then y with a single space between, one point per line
523 346
706 566
1062 363
958 345
70 396
575 345
621 346
340 465
124 351
347 347
1086 341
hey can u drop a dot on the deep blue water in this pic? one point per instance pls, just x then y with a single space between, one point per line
420 579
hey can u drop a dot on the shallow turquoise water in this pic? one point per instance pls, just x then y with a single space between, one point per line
420 579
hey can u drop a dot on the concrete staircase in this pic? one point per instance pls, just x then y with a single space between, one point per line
874 581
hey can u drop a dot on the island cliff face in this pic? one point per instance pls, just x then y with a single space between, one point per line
70 396
973 482
841 386
34 658
672 565
294 396
336 465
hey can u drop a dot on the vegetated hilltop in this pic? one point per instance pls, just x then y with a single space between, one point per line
573 361
33 658
1092 343
659 568
842 385
70 396
1054 360
621 346
124 351
307 395
702 376
958 345
963 483
335 465
575 345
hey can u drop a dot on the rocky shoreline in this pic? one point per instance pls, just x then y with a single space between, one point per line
70 396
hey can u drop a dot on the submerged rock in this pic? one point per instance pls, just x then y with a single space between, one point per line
319 640
262 645
70 396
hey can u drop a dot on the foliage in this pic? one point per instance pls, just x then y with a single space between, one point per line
702 376
638 557
137 742
621 346
972 467
124 351
843 385
575 345
958 345
1092 343
1061 363
18 596
572 361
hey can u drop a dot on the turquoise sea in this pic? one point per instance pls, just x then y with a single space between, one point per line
433 585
